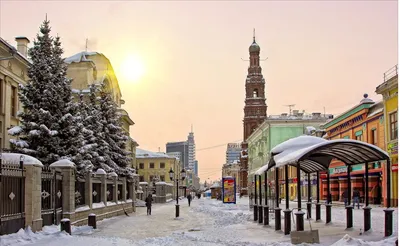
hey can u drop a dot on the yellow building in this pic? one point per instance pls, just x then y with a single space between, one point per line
86 68
389 90
13 72
155 166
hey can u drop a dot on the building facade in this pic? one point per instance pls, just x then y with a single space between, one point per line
255 109
196 168
389 90
155 166
87 68
173 148
363 122
13 73
233 151
273 131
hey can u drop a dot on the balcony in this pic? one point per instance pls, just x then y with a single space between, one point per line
391 73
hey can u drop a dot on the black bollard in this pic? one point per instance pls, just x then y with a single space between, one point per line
308 210
388 222
255 212
299 220
287 220
176 210
66 225
349 217
328 213
92 221
260 214
367 219
278 219
266 215
318 212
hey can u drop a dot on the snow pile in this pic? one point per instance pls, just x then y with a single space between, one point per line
140 203
349 241
23 237
225 214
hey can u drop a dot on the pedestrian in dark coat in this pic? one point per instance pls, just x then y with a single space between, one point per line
189 197
149 200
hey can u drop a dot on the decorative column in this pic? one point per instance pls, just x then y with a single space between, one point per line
88 190
33 203
67 169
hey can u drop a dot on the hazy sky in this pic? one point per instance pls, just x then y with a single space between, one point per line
320 54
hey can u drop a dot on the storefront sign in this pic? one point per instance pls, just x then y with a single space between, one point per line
395 167
337 170
229 190
392 148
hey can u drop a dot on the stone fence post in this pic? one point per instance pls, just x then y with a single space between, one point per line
114 177
67 169
89 190
102 174
33 189
124 190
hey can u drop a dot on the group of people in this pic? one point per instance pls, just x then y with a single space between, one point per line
149 201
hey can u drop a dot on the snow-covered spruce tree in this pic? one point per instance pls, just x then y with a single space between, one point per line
49 129
116 156
95 145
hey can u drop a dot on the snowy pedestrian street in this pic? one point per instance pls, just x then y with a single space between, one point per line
206 222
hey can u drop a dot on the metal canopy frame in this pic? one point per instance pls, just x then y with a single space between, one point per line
351 152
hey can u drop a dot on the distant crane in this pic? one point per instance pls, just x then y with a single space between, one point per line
290 108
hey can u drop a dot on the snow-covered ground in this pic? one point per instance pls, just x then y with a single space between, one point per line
206 222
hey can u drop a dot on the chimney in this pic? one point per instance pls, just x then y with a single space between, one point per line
22 45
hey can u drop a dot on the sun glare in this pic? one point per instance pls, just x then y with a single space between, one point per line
132 69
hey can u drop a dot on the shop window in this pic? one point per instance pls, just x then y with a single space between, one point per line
141 165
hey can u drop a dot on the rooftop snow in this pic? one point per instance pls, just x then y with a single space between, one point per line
141 153
80 57
296 143
14 158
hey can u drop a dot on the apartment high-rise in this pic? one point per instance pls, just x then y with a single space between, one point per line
191 150
233 152
179 150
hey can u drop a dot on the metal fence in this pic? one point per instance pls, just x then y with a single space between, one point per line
51 195
12 194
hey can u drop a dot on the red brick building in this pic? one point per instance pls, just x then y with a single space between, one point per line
255 109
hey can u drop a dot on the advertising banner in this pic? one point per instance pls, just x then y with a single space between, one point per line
229 190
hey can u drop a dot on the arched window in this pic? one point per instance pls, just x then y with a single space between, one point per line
255 93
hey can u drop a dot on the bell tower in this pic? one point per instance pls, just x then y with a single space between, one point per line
255 109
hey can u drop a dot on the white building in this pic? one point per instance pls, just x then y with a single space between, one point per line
191 150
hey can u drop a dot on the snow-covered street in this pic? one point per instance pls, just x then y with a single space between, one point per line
206 222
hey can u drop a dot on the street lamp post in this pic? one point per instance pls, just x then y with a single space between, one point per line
171 176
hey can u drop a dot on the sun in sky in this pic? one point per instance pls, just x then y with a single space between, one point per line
132 68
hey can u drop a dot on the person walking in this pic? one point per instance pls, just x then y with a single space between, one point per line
344 196
189 197
356 198
149 200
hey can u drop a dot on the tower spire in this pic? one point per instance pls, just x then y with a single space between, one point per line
254 35
191 128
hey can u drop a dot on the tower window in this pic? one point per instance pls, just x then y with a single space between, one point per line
255 93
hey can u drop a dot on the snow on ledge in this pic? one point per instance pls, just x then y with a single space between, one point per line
113 174
101 171
143 183
83 208
14 159
63 163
